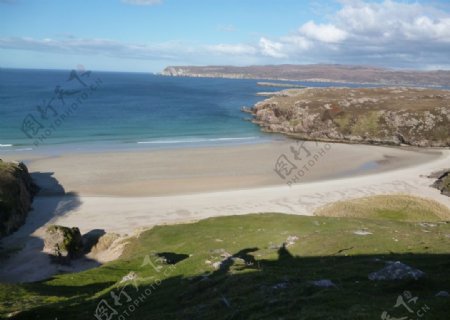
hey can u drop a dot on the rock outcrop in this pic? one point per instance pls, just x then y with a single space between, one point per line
391 116
63 243
397 271
16 195
443 182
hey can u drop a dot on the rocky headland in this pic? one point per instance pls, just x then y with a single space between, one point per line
391 116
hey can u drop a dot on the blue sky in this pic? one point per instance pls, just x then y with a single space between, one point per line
147 35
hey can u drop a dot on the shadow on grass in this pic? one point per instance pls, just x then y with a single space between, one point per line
245 287
171 257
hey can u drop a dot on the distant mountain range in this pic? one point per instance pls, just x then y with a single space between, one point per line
317 73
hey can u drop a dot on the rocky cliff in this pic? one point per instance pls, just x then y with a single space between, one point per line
16 194
412 116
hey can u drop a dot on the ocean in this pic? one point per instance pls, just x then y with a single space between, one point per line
84 110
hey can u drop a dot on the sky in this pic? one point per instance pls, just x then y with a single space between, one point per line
148 35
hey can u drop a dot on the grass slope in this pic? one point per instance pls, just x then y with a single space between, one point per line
176 278
398 207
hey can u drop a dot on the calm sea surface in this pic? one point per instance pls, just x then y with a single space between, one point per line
41 109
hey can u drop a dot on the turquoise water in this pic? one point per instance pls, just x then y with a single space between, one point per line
42 109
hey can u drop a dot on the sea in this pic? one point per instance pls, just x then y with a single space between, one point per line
85 110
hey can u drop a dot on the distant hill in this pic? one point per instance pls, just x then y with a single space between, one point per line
317 72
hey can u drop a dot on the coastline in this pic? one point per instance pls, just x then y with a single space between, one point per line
210 186
122 191
191 170
126 214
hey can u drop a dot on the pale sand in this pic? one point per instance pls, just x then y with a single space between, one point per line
204 171
195 170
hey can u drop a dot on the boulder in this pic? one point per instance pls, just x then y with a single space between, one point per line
63 243
443 294
16 194
443 182
397 271
324 283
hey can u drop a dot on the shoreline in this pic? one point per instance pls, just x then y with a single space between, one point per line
401 172
192 170
301 199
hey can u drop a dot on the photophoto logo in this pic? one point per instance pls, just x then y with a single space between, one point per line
62 103
121 304
292 167
407 308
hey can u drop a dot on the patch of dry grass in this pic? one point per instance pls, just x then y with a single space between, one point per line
392 207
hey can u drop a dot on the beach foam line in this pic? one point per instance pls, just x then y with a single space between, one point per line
5 145
194 140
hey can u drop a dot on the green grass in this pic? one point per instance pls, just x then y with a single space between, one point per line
367 124
344 121
327 248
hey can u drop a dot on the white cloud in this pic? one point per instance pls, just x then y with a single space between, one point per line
142 2
232 49
327 33
106 47
298 42
389 33
391 21
271 48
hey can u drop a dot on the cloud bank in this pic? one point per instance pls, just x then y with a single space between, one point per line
390 33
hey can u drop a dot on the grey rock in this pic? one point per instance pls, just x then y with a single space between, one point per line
443 294
324 283
427 225
362 233
291 240
63 243
396 271
442 182
281 285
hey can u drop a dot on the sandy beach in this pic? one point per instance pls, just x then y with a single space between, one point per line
126 191
156 172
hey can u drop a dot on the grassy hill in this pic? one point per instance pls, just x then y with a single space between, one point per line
237 268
